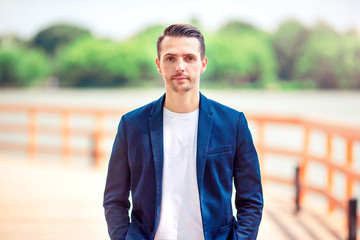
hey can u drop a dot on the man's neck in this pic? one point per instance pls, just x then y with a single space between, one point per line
182 102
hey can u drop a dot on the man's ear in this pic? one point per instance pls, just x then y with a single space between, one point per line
204 62
157 61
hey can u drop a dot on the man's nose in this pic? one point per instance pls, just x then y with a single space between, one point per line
180 67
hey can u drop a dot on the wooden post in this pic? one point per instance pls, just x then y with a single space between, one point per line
349 163
352 219
304 163
32 140
297 189
97 152
0 139
329 187
65 132
261 143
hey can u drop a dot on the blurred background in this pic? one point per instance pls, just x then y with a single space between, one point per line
282 44
69 70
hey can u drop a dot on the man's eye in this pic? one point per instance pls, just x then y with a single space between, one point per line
170 59
190 59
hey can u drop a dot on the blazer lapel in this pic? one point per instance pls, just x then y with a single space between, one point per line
156 135
204 131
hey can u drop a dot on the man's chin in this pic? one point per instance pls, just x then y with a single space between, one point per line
181 89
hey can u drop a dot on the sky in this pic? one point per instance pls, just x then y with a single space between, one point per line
119 19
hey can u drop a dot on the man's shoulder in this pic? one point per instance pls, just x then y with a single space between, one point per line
141 112
146 111
220 108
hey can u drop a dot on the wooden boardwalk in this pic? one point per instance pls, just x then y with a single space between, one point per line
41 201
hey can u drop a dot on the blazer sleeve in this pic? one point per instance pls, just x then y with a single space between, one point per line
247 181
117 188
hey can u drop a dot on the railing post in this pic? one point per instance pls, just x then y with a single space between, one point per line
260 143
352 218
297 189
304 162
349 162
0 133
32 140
97 152
331 205
65 128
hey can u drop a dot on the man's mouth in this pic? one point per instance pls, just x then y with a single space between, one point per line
179 78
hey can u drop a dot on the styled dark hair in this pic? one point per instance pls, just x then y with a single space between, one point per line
182 30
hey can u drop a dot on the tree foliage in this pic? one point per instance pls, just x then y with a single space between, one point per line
144 45
239 54
288 43
53 37
95 62
20 66
330 59
98 62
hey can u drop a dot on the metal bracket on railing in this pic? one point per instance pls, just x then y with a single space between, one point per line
352 218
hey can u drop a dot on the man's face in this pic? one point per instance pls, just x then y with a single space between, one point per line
181 64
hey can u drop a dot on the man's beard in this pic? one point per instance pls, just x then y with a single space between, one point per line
179 88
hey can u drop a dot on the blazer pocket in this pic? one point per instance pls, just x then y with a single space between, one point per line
220 149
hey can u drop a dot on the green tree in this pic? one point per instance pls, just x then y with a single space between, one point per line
288 43
90 62
239 54
144 45
22 67
99 62
330 59
53 37
350 59
237 26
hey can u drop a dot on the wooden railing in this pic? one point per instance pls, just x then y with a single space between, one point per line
30 123
344 166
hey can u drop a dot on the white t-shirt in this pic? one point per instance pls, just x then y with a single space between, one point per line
180 215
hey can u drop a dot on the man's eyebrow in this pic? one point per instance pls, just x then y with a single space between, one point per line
190 54
169 54
173 54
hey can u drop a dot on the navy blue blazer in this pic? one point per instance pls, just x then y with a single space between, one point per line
225 154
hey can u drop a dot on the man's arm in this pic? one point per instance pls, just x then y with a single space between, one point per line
116 196
247 180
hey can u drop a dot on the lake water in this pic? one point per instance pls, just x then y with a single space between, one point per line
343 106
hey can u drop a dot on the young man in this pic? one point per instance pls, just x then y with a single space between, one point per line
179 156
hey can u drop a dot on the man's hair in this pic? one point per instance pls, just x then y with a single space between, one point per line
182 30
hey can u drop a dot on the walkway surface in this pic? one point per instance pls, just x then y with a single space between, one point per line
41 201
